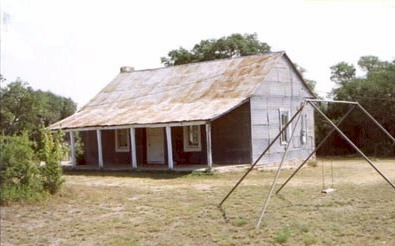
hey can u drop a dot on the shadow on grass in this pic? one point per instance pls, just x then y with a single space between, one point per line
132 174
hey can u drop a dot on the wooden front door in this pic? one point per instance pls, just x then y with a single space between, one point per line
155 146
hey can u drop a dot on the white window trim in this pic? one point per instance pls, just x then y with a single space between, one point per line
288 130
188 148
304 130
121 149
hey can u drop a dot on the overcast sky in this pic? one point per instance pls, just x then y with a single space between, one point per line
74 48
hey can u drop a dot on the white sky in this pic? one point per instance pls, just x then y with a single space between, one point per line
74 48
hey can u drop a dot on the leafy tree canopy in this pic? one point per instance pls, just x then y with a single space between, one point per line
342 72
375 91
23 108
371 63
212 49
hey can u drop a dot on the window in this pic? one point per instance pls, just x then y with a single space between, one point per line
284 118
122 140
192 141
303 134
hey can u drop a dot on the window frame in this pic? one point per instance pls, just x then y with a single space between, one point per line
281 111
187 146
303 132
119 148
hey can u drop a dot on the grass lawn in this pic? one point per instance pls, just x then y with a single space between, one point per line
136 208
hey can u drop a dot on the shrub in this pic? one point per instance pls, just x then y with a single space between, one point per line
283 235
52 153
21 193
20 175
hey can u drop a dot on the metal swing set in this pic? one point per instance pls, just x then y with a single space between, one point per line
335 127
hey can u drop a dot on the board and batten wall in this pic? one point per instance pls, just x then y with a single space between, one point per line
282 89
231 137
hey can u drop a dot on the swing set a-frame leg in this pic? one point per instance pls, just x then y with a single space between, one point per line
269 195
316 149
329 134
260 157
377 123
353 145
335 128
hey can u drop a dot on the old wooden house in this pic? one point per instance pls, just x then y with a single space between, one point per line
222 112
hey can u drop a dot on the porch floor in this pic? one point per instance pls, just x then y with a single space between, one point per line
157 167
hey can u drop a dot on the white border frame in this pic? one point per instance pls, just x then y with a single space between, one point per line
288 130
188 148
303 137
118 149
164 133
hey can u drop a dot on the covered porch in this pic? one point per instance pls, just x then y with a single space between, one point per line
173 146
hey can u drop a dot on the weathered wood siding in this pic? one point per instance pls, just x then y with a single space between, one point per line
182 157
282 89
89 141
231 137
110 156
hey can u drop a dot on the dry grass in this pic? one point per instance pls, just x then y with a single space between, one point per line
172 209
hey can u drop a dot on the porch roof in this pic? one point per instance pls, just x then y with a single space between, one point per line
192 92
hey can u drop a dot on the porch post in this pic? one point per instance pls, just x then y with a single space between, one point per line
169 148
133 147
99 148
72 143
208 143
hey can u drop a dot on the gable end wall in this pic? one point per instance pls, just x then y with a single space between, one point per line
282 89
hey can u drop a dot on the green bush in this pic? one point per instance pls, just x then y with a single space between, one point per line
21 193
20 175
52 153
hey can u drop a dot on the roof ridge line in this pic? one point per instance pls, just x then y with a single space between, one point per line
216 60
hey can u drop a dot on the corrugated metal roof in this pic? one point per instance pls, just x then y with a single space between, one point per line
191 92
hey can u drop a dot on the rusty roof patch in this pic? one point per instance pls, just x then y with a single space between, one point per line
191 92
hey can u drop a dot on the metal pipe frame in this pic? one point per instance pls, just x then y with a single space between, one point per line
334 128
269 195
353 145
316 148
260 157
330 101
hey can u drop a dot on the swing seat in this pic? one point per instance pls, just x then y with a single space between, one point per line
328 190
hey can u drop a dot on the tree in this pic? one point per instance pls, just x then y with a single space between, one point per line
212 49
23 108
342 73
374 91
310 83
52 153
371 63
53 107
18 107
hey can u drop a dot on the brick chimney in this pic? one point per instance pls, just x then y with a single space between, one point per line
126 69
